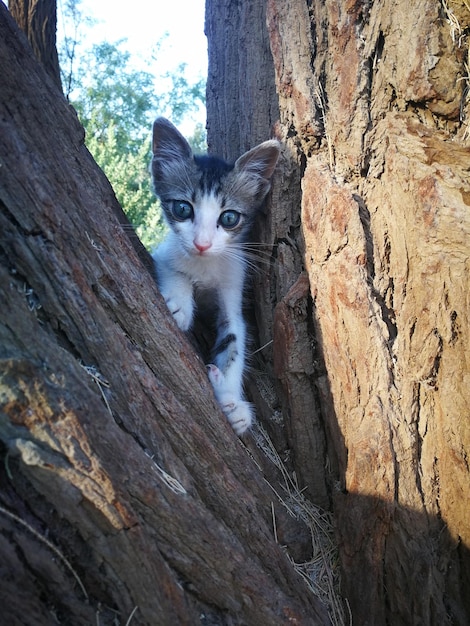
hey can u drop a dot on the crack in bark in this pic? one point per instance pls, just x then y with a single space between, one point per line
388 314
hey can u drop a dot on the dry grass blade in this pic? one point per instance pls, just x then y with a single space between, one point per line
169 481
455 29
268 343
129 620
321 573
46 542
100 381
320 96
459 36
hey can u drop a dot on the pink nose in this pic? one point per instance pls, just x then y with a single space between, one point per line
202 247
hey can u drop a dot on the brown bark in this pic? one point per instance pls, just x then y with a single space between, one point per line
372 202
123 485
38 20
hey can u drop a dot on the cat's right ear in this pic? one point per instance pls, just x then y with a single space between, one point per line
168 142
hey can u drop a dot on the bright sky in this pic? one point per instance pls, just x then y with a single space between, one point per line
143 24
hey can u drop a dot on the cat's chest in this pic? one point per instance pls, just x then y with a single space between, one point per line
209 272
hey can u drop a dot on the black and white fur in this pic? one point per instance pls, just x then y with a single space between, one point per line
210 206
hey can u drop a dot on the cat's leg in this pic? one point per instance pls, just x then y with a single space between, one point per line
177 291
239 412
226 372
178 295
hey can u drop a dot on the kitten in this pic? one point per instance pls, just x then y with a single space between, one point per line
210 206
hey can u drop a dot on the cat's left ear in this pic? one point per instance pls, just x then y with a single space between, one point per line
254 170
260 161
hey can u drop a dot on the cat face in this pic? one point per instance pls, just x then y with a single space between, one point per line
208 203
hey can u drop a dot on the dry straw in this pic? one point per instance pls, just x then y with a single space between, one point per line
321 572
459 38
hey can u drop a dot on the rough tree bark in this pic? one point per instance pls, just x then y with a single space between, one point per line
370 215
122 485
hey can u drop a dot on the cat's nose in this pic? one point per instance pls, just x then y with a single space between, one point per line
202 247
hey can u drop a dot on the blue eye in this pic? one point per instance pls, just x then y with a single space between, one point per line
182 210
229 219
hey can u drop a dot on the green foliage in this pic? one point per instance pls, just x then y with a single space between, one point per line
116 104
113 95
198 140
126 167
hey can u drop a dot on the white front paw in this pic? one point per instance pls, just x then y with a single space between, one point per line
238 412
181 309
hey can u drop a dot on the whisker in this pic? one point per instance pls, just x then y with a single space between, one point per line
255 244
243 259
263 257
254 250
255 255
251 261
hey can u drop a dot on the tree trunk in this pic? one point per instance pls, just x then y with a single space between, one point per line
368 376
38 20
125 495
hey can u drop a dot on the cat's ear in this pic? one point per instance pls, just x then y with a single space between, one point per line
254 170
168 142
261 160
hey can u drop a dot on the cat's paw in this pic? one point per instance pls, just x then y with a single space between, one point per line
215 376
181 309
238 412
